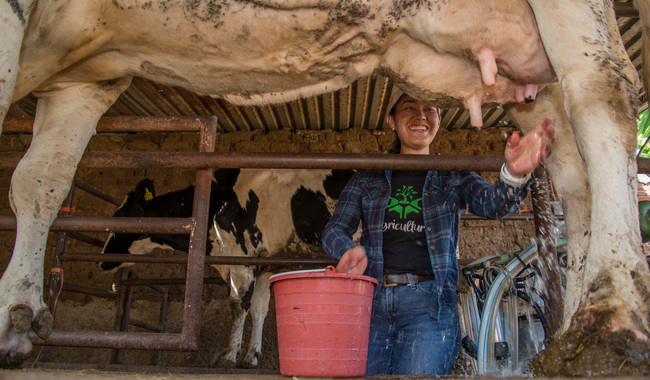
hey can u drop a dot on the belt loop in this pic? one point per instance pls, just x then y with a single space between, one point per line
412 282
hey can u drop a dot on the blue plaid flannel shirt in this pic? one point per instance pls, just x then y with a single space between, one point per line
445 195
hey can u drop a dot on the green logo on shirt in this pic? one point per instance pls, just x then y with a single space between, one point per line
404 202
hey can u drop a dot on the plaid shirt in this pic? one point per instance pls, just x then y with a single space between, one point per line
445 195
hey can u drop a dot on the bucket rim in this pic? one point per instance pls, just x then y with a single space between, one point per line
328 272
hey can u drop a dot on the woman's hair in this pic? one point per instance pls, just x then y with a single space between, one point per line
396 147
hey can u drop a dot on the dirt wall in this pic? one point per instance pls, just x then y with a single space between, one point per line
82 312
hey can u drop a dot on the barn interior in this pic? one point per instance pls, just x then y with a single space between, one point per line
151 297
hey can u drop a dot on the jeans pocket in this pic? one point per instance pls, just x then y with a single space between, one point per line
427 287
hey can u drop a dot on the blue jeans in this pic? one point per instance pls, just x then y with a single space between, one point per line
404 340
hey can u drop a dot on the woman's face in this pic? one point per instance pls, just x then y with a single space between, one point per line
416 125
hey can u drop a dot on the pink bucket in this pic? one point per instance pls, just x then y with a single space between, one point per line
323 320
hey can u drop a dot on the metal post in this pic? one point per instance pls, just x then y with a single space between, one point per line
198 239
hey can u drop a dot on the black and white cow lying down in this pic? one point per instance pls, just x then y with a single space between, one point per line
256 212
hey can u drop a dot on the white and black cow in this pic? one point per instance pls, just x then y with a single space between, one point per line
77 57
256 212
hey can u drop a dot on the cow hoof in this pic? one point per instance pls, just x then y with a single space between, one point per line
247 365
249 362
225 363
21 318
43 324
10 360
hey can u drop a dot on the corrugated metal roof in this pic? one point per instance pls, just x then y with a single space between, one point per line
361 105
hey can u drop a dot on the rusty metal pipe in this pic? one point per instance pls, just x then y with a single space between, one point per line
96 192
118 355
209 260
198 239
112 224
89 291
116 339
287 161
145 325
169 281
162 321
119 302
86 239
119 124
468 216
203 160
141 225
123 258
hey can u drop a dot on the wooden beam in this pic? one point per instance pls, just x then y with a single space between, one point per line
625 10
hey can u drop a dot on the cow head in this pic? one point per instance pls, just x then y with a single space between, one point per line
134 205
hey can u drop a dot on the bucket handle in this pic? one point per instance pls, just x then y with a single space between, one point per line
330 270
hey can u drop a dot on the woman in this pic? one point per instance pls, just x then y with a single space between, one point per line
409 237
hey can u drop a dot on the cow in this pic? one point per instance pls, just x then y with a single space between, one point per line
77 57
255 213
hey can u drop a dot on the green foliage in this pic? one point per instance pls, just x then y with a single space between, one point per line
643 132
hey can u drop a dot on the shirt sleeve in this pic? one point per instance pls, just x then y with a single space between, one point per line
493 201
344 222
512 180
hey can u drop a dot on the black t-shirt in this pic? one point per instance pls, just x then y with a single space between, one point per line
404 235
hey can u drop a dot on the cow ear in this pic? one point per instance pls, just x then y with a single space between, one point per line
336 181
226 178
145 190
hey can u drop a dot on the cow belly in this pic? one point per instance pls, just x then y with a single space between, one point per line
249 54
243 51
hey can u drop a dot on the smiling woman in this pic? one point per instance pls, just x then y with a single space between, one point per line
411 221
416 123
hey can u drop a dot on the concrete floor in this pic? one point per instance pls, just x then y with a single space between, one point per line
50 374
87 374
131 373
156 373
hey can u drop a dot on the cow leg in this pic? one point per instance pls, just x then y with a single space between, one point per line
229 356
259 309
597 86
13 19
65 121
569 175
242 284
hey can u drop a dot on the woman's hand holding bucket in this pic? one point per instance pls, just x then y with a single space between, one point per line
354 261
